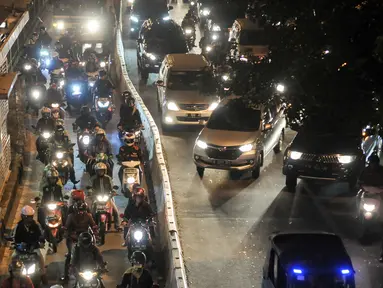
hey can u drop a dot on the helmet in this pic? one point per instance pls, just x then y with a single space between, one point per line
100 166
78 195
102 73
85 110
138 258
140 192
374 159
129 139
85 239
52 173
15 266
46 112
59 122
60 128
101 132
27 211
126 93
80 206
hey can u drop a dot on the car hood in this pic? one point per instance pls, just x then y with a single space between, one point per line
325 144
190 97
228 138
255 50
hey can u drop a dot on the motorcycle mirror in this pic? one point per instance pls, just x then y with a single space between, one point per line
121 215
37 199
115 187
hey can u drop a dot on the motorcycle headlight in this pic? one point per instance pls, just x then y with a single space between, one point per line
91 84
87 275
208 48
27 67
93 26
102 64
86 140
134 18
36 94
137 133
59 155
166 18
216 28
131 180
369 207
213 106
151 56
29 270
47 62
53 225
346 159
131 1
102 198
103 104
46 135
54 163
173 106
188 31
52 206
295 155
62 82
192 3
65 163
215 37
76 88
44 53
138 235
246 148
60 25
225 77
205 12
55 105
201 144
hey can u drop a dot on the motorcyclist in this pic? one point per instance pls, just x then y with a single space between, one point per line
103 86
86 254
63 52
31 47
137 276
66 40
51 191
103 184
29 232
189 22
77 222
44 179
44 38
91 65
53 95
85 121
101 145
16 278
45 123
372 175
74 71
127 152
130 116
56 63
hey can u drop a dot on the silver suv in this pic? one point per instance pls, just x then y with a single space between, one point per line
238 137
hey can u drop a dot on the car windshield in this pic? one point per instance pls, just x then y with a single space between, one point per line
153 10
191 81
253 37
326 126
235 116
321 281
166 44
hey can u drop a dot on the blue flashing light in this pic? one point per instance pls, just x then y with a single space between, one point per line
345 271
297 271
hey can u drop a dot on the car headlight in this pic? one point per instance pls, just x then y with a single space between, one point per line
103 104
87 275
201 144
188 31
173 106
369 207
27 67
59 155
225 77
30 270
44 53
76 88
346 159
134 18
246 148
52 206
102 64
36 94
166 18
215 37
86 140
93 26
205 12
62 82
216 28
138 235
295 155
208 48
102 198
60 25
131 180
213 106
46 135
151 56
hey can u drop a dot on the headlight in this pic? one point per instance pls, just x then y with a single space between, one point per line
134 18
208 48
27 67
216 28
346 159
60 25
103 104
188 31
102 198
131 180
36 94
65 163
53 225
52 206
44 53
54 163
151 56
87 275
205 12
192 3
246 148
295 155
76 88
62 82
93 26
91 84
166 18
138 235
225 77
215 37
173 106
85 140
47 62
213 106
201 144
137 133
131 1
30 270
55 105
102 64
59 155
369 207
46 135
82 64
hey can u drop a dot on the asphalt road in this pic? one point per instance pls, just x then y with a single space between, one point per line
225 224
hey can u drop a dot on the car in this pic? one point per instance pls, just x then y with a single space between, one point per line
145 9
307 259
186 90
157 39
238 136
325 149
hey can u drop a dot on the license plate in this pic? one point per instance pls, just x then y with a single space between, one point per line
320 168
194 115
222 162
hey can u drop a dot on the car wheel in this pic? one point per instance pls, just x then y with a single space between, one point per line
200 171
257 168
278 147
291 182
144 74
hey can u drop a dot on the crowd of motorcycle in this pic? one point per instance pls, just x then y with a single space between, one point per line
82 218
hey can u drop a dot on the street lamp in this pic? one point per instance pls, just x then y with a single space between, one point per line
280 88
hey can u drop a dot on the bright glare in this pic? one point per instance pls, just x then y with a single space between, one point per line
345 159
102 198
216 27
151 56
205 12
59 155
52 206
62 82
60 25
131 180
201 144
46 135
87 275
35 94
138 235
168 119
280 88
225 77
76 88
213 106
103 104
208 48
166 18
86 140
131 1
102 64
55 105
173 106
246 148
215 37
134 19
27 67
188 31
369 207
93 26
295 155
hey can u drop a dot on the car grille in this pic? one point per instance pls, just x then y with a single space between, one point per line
220 152
320 158
194 107
191 119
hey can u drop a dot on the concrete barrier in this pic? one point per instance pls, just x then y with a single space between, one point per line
168 239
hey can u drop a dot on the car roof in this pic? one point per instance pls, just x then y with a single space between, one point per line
188 62
247 24
313 250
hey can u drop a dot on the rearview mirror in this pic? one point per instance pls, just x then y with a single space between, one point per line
160 83
267 127
170 8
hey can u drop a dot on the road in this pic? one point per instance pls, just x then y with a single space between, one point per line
225 224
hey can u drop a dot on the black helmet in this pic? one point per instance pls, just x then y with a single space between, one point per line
102 73
85 239
374 159
80 206
85 110
138 258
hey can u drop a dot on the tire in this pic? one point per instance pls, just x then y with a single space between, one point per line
256 172
200 171
52 240
102 229
159 108
291 183
278 148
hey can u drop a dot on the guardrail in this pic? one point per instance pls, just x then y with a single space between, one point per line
169 240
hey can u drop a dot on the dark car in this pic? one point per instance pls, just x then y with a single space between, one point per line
144 9
327 151
156 40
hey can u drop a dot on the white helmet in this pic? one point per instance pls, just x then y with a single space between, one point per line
27 211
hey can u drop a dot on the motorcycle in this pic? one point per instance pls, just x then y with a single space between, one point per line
190 36
60 162
225 79
84 139
103 210
89 278
45 145
130 173
36 97
45 58
58 77
104 109
92 78
135 131
57 107
138 237
76 93
100 157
